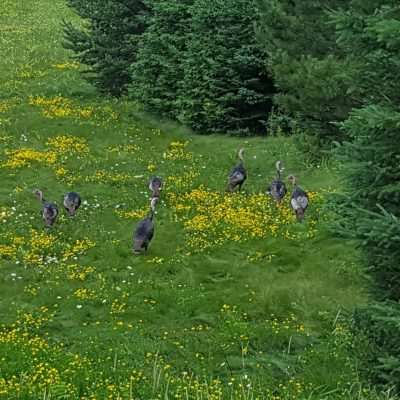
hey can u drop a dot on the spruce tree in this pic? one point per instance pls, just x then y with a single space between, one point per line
306 64
369 31
199 62
157 70
107 42
225 86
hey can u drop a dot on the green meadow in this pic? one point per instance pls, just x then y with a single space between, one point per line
234 299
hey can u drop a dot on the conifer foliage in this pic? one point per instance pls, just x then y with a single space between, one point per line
107 43
225 84
369 32
197 61
306 64
158 69
373 35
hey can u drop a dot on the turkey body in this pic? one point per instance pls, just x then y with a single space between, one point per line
72 202
49 210
49 213
277 189
144 231
299 202
143 234
238 175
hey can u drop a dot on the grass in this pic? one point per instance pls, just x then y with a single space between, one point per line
234 300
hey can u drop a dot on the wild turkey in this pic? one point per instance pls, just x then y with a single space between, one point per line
238 174
49 210
299 199
72 202
155 185
277 189
144 231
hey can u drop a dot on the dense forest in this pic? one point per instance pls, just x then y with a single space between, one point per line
326 71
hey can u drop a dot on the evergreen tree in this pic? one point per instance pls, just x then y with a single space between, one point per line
370 32
225 85
158 69
199 62
378 326
107 43
306 64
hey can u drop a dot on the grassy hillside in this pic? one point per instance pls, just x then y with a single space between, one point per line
234 298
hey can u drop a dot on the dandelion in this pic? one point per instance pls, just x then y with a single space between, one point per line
68 144
151 167
7 251
85 294
62 107
24 157
176 151
106 177
59 107
78 248
211 218
78 272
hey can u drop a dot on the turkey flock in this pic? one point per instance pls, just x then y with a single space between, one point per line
144 231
